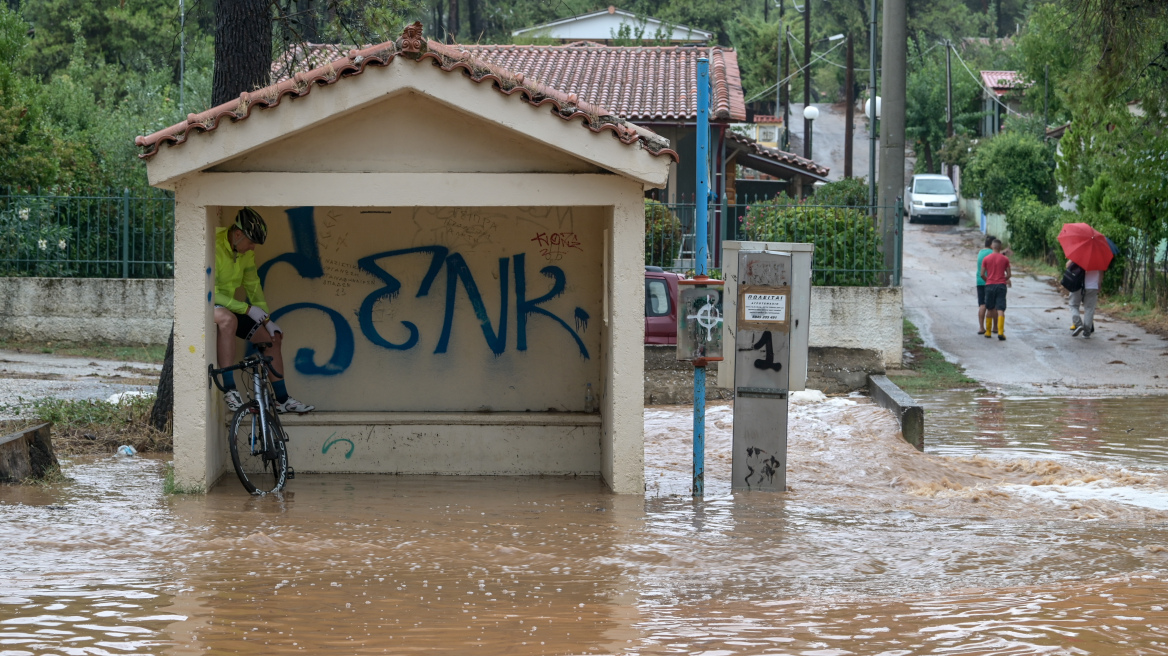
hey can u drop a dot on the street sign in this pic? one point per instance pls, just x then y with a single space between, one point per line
762 353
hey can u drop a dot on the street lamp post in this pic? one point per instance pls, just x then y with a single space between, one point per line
873 113
810 113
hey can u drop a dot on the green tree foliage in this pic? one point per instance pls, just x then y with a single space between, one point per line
1007 166
925 99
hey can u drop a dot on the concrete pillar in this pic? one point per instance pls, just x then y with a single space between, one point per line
892 110
622 448
198 446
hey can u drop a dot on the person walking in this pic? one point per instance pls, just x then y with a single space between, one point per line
995 269
1086 296
981 307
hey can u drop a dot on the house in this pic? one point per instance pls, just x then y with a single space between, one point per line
649 86
412 166
1000 87
614 25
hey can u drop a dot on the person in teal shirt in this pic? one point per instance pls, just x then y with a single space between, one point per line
981 308
234 268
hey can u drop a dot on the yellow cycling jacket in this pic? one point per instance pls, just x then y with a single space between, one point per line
232 270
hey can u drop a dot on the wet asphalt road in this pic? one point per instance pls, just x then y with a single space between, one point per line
1039 356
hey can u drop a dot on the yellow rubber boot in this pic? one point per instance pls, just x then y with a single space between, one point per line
989 327
1001 326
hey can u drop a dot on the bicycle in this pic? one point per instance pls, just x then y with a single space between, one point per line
256 437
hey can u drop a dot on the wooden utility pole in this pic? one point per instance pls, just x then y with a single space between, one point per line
806 76
850 116
786 145
948 89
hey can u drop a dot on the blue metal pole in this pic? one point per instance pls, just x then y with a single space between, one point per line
701 256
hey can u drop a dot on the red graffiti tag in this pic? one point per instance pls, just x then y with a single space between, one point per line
556 244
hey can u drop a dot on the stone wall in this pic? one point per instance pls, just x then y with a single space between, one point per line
869 318
117 311
669 381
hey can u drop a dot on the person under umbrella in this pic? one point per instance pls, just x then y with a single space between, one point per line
1089 251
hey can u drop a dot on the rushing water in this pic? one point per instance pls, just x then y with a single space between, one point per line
877 549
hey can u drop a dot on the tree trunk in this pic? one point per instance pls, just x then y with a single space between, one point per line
928 156
164 397
474 11
243 48
452 22
243 62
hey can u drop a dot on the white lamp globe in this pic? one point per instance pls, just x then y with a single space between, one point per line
811 112
868 108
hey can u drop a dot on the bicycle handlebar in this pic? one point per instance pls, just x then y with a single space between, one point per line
246 363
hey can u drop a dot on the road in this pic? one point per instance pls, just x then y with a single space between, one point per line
27 376
1039 356
828 139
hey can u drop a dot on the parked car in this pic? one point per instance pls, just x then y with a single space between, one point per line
932 197
660 306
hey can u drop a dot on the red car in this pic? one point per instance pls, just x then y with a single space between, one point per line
660 306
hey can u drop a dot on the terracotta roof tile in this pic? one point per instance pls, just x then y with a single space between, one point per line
411 46
776 155
1003 81
638 83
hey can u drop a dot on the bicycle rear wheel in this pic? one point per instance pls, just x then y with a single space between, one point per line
261 464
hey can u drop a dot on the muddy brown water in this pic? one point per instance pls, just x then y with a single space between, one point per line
877 550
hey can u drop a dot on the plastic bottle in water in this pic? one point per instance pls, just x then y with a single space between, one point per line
589 400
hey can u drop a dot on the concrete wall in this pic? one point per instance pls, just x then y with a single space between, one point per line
859 318
130 312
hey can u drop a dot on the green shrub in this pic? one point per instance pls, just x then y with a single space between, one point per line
1030 223
847 242
849 192
1008 166
662 234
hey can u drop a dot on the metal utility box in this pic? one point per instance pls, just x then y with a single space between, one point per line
800 306
762 355
699 319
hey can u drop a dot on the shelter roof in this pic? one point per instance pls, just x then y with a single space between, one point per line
637 83
412 46
773 161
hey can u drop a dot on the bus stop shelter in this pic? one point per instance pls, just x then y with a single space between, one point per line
455 254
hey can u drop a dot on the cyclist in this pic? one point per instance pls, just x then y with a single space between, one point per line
235 266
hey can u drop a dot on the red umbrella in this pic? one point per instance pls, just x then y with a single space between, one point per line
1085 246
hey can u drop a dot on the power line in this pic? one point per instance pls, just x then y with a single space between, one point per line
792 75
993 96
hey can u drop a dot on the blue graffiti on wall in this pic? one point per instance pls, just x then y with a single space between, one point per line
306 260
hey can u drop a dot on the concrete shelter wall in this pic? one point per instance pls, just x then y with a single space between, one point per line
436 138
602 277
436 309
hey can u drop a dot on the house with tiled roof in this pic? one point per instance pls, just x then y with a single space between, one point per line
609 25
454 252
1001 95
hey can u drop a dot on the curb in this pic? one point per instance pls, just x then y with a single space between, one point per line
888 395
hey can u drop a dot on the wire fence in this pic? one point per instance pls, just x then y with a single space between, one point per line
95 236
849 246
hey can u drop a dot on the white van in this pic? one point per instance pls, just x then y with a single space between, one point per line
932 198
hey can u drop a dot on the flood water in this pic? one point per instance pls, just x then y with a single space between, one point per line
878 549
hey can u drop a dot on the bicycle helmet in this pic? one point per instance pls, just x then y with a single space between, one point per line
252 225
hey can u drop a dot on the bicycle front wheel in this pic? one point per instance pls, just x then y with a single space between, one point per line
260 459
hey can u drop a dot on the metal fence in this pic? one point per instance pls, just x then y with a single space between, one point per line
849 248
97 236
